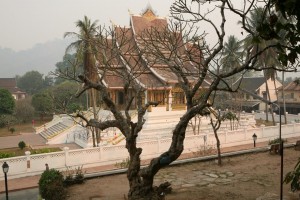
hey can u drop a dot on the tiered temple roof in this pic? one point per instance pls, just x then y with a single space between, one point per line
146 70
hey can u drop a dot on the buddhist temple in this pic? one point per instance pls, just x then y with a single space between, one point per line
134 64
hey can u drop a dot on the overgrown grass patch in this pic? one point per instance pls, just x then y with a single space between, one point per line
264 122
22 127
13 152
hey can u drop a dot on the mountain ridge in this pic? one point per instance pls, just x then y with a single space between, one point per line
42 58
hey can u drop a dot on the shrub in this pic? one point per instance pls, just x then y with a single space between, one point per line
276 141
44 150
74 176
22 145
51 185
293 177
124 164
12 130
6 155
79 174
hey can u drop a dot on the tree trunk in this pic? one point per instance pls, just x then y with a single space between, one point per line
269 99
93 136
216 127
218 147
96 132
141 180
283 99
140 188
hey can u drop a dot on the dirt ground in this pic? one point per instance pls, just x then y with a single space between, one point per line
251 176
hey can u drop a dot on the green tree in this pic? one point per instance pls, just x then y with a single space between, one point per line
24 111
87 51
232 55
84 46
266 58
68 67
43 104
272 28
32 82
7 120
63 97
7 102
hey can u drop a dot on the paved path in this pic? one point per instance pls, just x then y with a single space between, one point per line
27 194
29 138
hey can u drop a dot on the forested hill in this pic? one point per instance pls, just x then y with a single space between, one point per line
42 58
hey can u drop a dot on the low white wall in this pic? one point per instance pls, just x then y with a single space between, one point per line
35 164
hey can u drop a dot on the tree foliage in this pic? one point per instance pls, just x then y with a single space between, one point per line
7 120
293 177
69 66
86 54
63 97
32 82
51 185
43 104
278 18
7 102
24 111
21 145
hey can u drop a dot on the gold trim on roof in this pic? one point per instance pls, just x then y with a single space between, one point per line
149 15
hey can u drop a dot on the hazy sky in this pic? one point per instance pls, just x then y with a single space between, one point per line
28 22
25 23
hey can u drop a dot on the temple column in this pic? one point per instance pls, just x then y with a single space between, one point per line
169 100
150 99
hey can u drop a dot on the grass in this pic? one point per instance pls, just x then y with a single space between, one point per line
22 127
12 152
266 123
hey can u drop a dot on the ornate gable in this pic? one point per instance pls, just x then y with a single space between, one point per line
149 15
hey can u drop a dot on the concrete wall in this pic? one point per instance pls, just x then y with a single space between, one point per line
29 165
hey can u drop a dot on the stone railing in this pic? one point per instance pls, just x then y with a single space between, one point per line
29 165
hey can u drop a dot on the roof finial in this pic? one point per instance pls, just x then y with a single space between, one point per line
148 9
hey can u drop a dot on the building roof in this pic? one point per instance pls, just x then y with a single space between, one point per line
146 69
292 86
148 19
249 83
10 84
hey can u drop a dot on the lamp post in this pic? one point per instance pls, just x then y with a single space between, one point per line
5 168
280 139
254 136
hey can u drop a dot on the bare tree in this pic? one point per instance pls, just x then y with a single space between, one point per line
179 50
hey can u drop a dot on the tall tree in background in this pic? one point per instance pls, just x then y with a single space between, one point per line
68 66
32 82
86 50
24 111
232 55
7 102
63 97
42 104
266 59
7 106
